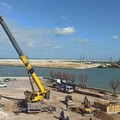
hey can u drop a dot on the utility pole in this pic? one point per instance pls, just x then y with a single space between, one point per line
111 60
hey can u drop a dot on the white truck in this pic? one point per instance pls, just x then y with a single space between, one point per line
62 85
56 82
65 87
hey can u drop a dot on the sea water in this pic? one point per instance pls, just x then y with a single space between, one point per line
96 77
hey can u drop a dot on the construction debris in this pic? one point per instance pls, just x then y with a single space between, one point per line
108 106
102 115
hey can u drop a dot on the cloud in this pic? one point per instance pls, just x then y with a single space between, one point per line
115 37
5 7
64 31
30 44
56 47
33 41
80 40
28 38
64 18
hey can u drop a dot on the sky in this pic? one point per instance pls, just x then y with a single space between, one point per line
62 29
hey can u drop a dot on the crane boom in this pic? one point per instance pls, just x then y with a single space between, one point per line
42 92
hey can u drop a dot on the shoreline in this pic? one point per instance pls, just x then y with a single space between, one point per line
49 63
87 88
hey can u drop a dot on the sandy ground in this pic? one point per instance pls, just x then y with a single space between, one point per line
15 89
49 63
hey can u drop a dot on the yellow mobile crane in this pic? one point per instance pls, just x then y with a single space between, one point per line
32 99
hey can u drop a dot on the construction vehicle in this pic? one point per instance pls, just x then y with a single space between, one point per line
69 101
86 104
56 82
32 99
65 87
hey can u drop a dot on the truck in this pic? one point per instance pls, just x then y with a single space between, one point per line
65 87
56 82
62 85
33 98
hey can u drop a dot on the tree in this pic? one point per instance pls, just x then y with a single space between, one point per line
114 84
55 74
73 78
59 75
65 76
83 77
52 74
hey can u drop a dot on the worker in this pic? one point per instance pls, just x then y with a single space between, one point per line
62 113
67 118
82 112
50 109
62 117
66 107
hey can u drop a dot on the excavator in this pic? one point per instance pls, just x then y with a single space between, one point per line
33 98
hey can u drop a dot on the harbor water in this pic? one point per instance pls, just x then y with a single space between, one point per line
96 77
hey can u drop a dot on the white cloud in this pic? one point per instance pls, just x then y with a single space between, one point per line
64 18
80 40
27 38
64 31
30 44
115 37
56 47
33 40
5 7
